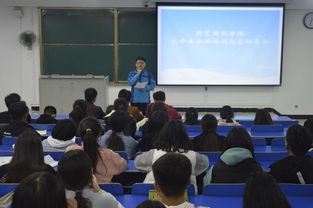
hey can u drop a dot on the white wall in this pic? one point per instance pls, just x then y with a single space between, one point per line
17 62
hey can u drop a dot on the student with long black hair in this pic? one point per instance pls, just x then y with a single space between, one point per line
172 138
191 117
79 111
27 159
40 190
237 161
208 140
105 162
75 171
115 138
263 117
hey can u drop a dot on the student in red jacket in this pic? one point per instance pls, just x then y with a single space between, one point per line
159 96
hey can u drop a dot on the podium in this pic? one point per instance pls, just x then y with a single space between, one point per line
61 91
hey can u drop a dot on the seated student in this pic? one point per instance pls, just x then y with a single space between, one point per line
262 117
172 173
19 113
151 129
262 191
48 116
115 139
75 171
63 136
151 204
41 190
27 159
92 109
227 116
132 110
109 109
105 162
191 117
79 111
172 138
298 166
5 116
237 161
154 107
208 140
159 97
121 105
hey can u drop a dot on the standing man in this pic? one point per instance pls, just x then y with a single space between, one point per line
141 82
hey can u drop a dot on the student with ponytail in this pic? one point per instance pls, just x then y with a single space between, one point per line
75 171
115 138
208 140
227 116
105 162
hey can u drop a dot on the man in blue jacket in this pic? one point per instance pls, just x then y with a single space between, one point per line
141 82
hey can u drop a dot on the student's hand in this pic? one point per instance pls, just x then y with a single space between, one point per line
71 203
95 184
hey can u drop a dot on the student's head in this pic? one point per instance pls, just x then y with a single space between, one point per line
191 116
227 113
19 111
208 123
79 110
64 130
41 189
11 98
126 94
298 140
263 117
109 109
50 110
173 137
262 191
238 137
140 63
118 121
151 204
90 131
157 120
159 96
120 104
158 106
27 157
91 95
309 124
172 174
75 171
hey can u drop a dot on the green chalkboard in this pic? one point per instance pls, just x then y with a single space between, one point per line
78 60
128 55
83 41
78 26
137 27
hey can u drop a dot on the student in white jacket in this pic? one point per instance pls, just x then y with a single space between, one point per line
75 171
172 138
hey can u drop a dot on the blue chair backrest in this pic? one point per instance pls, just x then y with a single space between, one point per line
143 189
213 156
246 123
7 188
193 128
6 153
47 127
278 142
259 142
223 190
226 128
113 188
55 155
9 141
286 124
267 128
78 140
270 156
297 189
123 155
